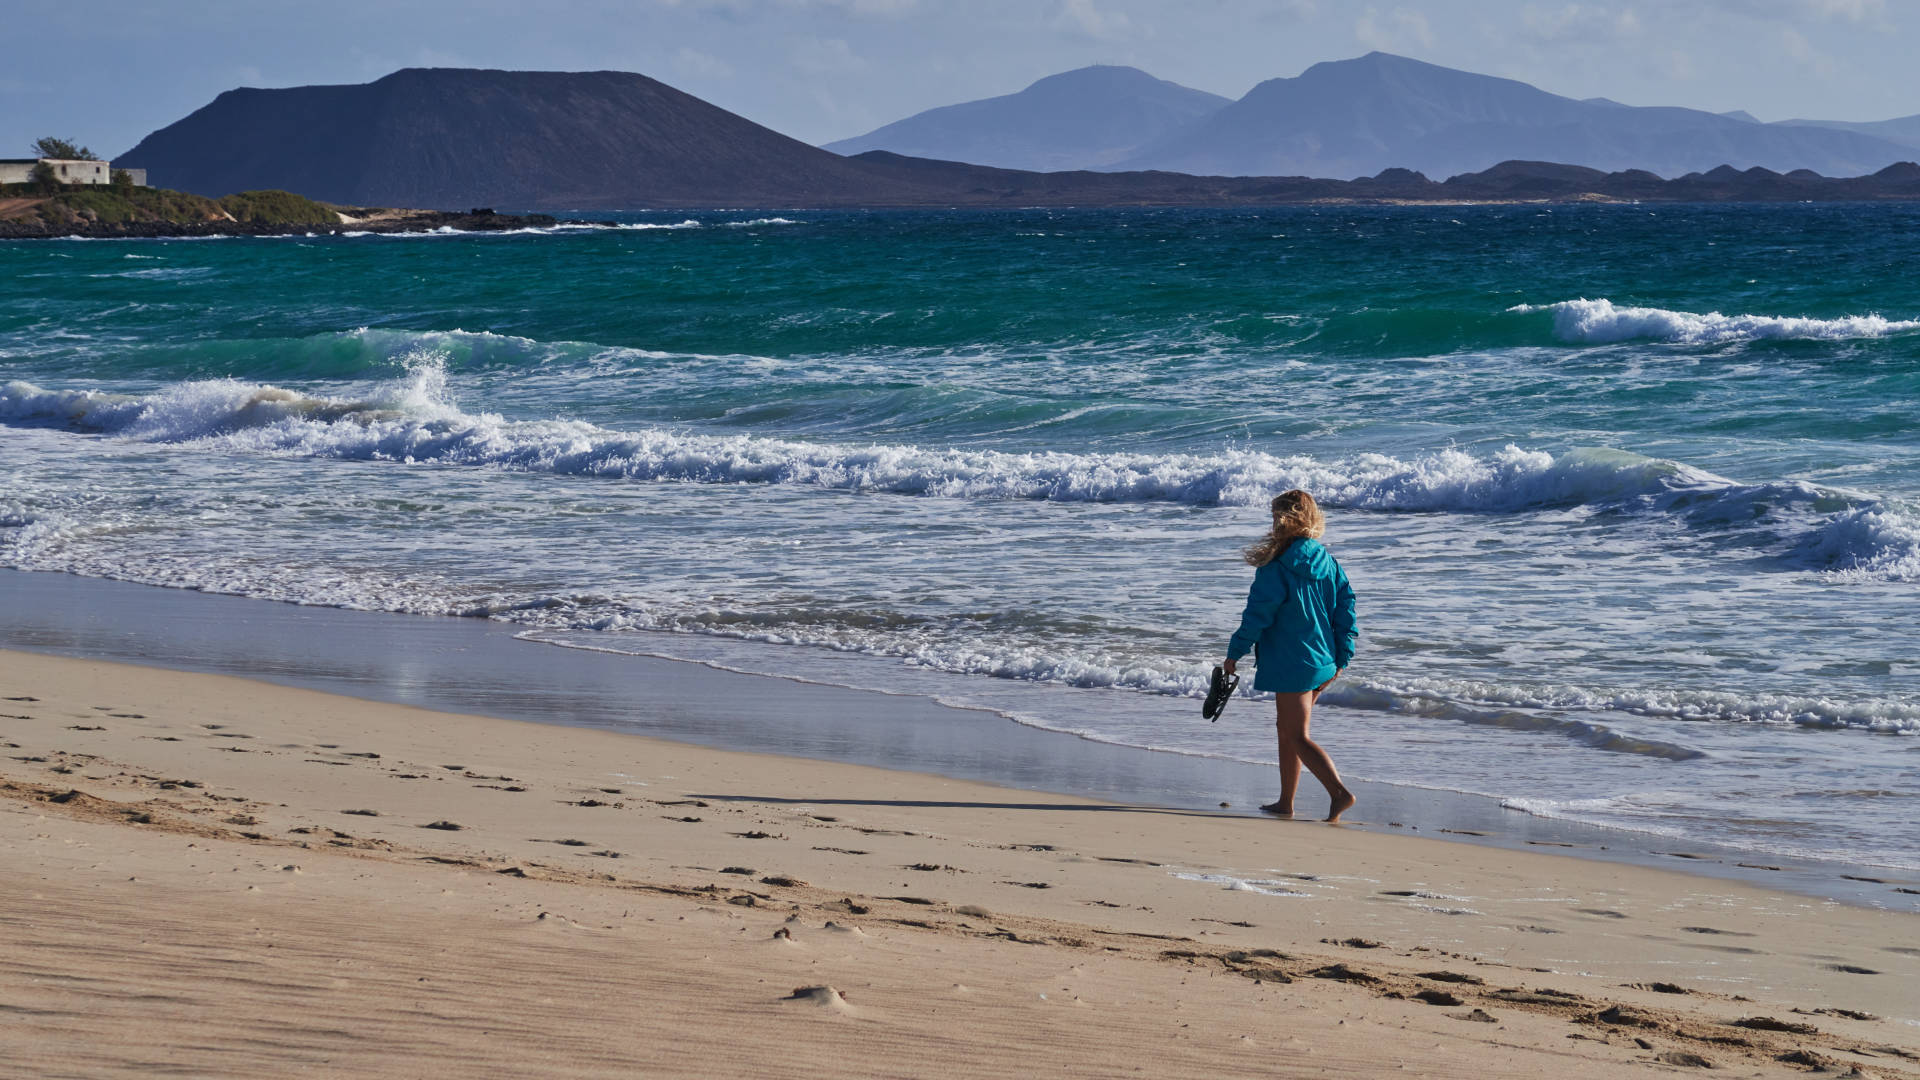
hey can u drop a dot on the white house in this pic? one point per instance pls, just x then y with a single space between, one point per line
66 170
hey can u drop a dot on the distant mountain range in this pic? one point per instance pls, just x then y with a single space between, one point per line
452 138
1905 130
1356 117
1093 118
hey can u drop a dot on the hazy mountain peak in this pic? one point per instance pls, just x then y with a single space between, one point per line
1107 76
1081 119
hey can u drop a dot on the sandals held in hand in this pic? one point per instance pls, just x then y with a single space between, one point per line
1219 692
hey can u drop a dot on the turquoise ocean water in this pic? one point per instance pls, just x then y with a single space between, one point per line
1630 495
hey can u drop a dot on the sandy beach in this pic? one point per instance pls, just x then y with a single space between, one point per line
219 877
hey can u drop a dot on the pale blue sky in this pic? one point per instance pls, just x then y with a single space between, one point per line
106 72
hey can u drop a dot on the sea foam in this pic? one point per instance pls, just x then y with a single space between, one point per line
1600 322
412 420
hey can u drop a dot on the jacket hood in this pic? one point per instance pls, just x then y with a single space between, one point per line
1307 558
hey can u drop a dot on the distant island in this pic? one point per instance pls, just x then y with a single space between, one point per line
575 142
1347 118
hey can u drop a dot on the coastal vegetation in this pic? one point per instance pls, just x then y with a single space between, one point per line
123 203
121 209
278 208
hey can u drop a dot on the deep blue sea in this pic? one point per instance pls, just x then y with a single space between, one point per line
1630 494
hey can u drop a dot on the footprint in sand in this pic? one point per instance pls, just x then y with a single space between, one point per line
1713 930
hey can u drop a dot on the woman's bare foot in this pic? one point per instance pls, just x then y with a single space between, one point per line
1342 802
1278 809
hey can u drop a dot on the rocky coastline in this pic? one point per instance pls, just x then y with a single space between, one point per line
375 221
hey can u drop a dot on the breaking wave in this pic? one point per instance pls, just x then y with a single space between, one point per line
412 421
1600 322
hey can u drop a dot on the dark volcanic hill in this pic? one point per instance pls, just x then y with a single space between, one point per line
1356 117
1084 119
526 139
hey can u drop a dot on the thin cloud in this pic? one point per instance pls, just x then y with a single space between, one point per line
1402 30
1083 17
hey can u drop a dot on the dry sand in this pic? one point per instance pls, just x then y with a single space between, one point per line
209 876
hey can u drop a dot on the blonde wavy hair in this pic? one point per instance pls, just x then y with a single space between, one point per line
1295 515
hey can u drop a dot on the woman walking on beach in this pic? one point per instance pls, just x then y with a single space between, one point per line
1299 624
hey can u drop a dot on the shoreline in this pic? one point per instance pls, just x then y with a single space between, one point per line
483 667
384 223
229 876
422 222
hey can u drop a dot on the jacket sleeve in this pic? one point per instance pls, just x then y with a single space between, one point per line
1345 627
1269 591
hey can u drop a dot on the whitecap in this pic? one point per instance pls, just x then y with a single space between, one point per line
1600 322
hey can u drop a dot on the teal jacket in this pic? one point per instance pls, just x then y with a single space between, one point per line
1300 617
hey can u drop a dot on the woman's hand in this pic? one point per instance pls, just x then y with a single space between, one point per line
1229 665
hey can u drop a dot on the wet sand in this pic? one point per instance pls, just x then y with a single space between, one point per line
226 877
478 666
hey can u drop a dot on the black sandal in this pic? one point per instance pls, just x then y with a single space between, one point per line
1219 692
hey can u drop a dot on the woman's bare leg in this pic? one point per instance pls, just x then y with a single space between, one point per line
1294 714
1289 764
